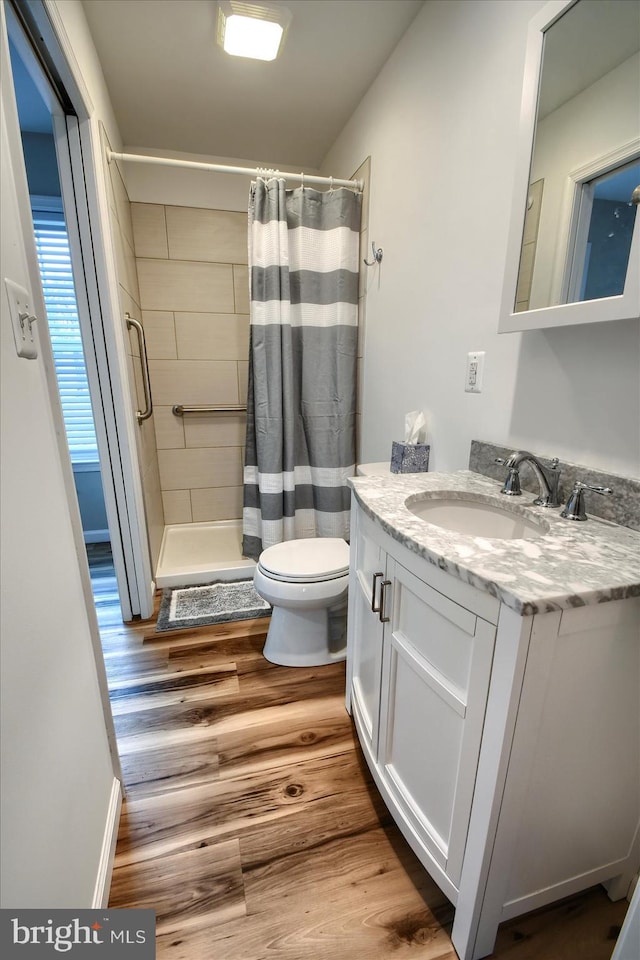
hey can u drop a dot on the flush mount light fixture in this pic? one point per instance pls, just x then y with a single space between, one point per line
252 29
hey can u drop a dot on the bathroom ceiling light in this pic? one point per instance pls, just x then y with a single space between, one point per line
251 29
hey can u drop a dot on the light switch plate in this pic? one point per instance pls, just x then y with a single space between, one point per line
22 320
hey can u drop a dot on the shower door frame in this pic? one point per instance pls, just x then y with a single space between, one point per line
82 172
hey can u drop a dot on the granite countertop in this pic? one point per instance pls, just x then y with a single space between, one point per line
572 564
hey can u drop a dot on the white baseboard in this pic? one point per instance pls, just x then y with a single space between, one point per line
105 867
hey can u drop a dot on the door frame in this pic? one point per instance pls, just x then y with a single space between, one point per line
83 177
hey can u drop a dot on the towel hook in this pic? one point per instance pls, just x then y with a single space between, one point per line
377 256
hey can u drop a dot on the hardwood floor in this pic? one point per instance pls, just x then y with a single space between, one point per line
251 823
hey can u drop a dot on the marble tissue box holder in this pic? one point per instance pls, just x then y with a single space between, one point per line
409 457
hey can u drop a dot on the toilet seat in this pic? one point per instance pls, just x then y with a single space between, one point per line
313 560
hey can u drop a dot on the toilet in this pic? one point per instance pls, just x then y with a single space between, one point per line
306 582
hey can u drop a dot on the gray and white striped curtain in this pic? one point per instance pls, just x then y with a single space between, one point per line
300 448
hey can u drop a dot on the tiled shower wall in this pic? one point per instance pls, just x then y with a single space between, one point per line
193 281
122 234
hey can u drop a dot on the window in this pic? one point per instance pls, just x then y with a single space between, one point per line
54 258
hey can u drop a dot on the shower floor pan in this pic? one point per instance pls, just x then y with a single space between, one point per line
194 553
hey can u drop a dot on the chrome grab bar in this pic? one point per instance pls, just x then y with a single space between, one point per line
144 363
179 409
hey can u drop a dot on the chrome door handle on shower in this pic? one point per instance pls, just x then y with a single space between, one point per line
144 363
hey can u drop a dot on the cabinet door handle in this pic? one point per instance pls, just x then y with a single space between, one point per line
373 593
383 585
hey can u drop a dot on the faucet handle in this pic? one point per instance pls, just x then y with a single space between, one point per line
574 509
511 486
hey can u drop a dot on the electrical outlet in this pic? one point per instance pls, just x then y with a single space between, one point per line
475 369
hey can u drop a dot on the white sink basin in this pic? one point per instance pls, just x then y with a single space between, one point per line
476 518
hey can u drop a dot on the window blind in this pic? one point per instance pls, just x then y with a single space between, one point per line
54 258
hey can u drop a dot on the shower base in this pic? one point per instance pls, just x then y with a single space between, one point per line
193 553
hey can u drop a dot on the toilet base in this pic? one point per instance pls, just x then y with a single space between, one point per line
299 639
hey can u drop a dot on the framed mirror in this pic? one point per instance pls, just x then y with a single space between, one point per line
574 240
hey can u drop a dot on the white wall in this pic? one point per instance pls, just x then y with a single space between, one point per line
440 124
57 772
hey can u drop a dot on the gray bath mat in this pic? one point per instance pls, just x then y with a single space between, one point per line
219 602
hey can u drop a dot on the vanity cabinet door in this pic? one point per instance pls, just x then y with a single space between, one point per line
365 630
435 681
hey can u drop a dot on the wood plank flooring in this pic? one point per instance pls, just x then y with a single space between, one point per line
251 824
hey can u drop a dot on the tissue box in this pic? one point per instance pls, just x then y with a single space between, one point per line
409 457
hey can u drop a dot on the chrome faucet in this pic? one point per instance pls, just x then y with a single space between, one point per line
548 478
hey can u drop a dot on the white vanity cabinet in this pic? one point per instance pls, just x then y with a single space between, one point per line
506 747
419 667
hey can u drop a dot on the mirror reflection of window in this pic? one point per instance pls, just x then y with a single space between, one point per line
604 233
588 111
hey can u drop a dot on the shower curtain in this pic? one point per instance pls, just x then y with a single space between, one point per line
300 445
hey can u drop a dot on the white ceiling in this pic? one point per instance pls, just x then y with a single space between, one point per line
173 88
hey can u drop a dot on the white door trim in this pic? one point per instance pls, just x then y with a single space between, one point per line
83 170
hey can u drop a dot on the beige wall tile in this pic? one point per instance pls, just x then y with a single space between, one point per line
147 449
122 203
149 230
121 260
212 336
193 382
241 288
215 431
154 511
160 335
217 503
219 236
170 434
177 506
204 467
131 271
243 380
186 285
125 263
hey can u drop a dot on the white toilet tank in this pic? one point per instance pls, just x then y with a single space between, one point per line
381 469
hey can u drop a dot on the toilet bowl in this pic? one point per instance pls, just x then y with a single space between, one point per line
306 582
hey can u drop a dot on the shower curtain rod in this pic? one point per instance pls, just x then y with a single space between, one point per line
221 168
